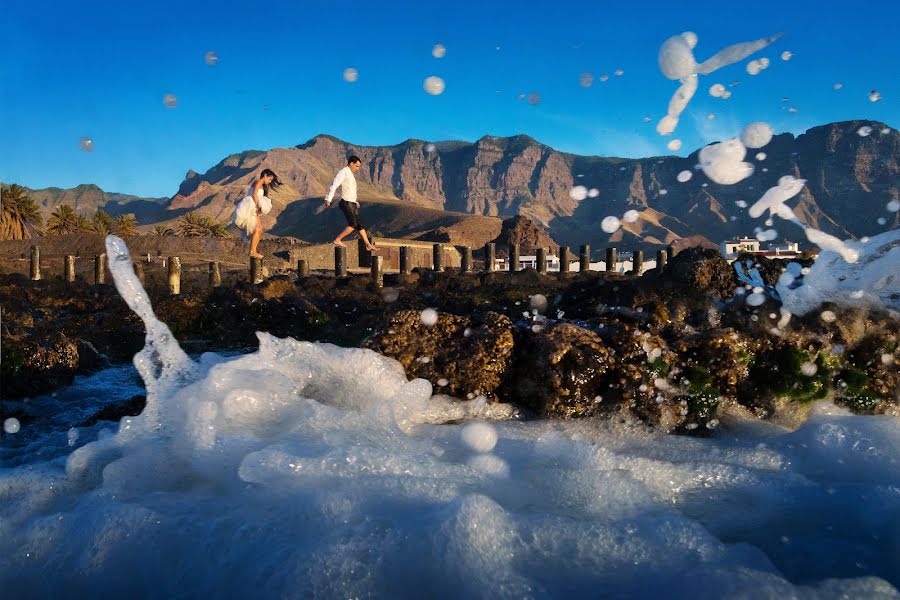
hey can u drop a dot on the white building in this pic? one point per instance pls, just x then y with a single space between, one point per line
731 248
622 266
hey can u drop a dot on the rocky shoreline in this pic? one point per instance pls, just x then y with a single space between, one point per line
668 349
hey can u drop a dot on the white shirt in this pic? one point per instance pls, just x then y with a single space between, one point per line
347 182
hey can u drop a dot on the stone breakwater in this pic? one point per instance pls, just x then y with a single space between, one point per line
669 349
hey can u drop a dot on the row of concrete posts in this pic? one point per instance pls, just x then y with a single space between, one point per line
173 264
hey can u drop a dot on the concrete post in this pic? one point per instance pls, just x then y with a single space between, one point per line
466 259
340 261
611 256
660 260
565 257
490 252
100 269
637 265
35 263
215 274
542 261
302 268
174 275
513 257
256 270
69 268
377 272
405 268
584 260
437 257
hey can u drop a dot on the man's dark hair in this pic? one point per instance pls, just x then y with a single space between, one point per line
353 159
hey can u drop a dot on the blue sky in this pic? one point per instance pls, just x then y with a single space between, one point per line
98 70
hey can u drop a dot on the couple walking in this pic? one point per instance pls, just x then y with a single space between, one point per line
257 202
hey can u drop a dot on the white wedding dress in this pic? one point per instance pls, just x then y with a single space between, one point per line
245 215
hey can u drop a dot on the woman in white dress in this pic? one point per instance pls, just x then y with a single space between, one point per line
256 203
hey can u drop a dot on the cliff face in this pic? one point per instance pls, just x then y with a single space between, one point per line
850 179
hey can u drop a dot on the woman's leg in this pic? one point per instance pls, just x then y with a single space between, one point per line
254 241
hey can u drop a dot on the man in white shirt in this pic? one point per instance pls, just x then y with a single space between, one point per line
348 204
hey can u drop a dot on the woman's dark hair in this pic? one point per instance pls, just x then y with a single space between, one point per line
275 181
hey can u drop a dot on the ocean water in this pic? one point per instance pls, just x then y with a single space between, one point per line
309 470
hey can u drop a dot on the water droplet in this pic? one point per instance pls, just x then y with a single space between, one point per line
710 117
685 176
586 79
787 55
351 75
674 145
87 144
631 216
170 100
578 193
893 205
11 425
828 316
874 96
610 224
716 90
429 317
761 156
534 98
864 131
809 369
882 221
438 51
618 72
211 58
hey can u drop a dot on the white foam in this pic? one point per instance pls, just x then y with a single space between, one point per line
724 162
579 192
872 279
610 224
756 135
631 216
308 470
685 176
434 85
429 317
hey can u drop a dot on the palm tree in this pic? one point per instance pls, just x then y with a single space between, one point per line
194 224
20 218
82 223
125 225
102 223
217 229
161 230
63 220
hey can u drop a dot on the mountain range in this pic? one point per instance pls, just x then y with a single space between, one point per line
458 191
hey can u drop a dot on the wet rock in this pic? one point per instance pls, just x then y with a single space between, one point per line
30 368
702 270
90 359
278 286
473 355
560 371
116 412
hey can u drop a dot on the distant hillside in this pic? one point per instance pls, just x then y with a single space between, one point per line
87 198
850 180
